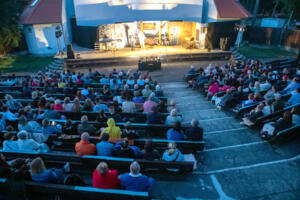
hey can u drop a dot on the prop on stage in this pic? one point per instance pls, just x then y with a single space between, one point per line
149 64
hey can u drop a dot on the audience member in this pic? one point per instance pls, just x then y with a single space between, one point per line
134 180
84 147
105 178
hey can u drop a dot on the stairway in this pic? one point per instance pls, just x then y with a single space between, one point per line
56 65
236 163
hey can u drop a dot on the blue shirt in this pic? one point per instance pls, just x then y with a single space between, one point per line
99 107
138 183
291 87
104 148
295 99
175 135
177 156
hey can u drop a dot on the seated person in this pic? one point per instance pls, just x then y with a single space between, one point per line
146 91
100 105
68 128
74 180
173 117
26 144
84 126
149 104
272 128
213 89
172 154
294 85
149 153
154 117
278 104
40 174
84 147
7 114
158 91
113 114
128 132
237 96
253 115
50 129
268 108
134 180
105 178
112 130
9 142
295 98
194 133
172 106
104 148
124 151
175 133
128 106
249 101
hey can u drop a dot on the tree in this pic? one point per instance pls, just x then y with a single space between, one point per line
10 33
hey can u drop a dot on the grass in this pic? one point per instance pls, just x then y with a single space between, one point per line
265 52
23 63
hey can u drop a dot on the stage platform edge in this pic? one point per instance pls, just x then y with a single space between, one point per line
133 60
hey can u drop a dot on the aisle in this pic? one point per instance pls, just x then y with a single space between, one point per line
236 163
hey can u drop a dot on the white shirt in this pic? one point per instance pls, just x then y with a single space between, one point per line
128 107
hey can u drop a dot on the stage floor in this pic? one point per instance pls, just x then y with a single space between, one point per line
150 51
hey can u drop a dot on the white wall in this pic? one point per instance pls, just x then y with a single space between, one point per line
66 23
41 39
212 12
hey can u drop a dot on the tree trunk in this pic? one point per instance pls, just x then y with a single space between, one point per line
255 11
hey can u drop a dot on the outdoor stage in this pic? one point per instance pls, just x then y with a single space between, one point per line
89 58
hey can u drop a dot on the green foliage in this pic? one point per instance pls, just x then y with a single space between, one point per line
269 7
10 34
263 52
23 63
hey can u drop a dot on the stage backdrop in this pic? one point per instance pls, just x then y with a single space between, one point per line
218 30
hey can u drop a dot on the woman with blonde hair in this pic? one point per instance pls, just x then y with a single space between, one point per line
105 178
173 117
76 105
172 154
39 173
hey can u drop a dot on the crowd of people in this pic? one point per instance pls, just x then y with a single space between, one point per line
30 126
252 84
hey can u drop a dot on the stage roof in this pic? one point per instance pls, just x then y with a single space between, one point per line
42 12
230 9
95 12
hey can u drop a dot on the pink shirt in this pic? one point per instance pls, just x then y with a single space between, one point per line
148 106
58 107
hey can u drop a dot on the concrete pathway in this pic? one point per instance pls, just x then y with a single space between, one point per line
236 163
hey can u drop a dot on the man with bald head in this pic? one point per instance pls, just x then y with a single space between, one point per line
84 147
134 180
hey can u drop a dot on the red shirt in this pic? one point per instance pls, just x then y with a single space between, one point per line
109 180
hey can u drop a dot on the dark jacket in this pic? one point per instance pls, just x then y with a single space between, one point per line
194 134
154 118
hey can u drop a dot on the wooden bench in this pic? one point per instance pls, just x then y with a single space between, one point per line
87 164
159 144
47 191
